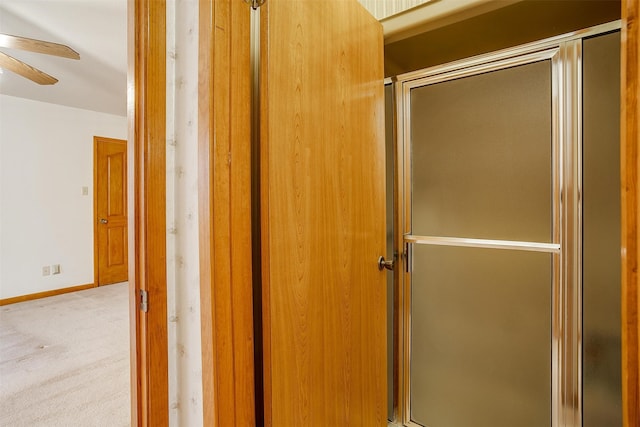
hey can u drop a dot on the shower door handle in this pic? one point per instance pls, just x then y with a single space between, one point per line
382 264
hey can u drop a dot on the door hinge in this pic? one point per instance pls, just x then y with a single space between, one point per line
144 300
255 3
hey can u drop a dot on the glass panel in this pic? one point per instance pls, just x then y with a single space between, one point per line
388 96
481 156
480 337
601 232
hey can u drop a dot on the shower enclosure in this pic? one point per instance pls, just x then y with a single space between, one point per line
507 309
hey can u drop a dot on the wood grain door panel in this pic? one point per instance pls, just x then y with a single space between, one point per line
111 210
322 220
630 163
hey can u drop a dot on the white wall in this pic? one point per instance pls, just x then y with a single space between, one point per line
46 157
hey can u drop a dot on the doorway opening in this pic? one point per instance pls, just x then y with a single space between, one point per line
506 203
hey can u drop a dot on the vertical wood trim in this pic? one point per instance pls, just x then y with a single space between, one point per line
241 249
224 195
221 215
630 209
205 95
95 212
264 216
147 211
133 101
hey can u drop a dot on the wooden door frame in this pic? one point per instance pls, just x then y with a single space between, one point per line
630 109
146 151
224 200
227 323
96 141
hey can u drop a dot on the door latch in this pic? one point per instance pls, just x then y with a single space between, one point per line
382 264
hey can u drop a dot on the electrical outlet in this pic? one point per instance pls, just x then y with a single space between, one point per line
55 269
46 270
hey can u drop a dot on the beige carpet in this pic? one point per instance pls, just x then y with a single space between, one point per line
64 360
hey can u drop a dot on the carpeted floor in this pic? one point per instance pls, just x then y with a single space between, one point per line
64 360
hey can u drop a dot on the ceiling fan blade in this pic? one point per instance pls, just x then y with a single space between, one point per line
39 46
25 70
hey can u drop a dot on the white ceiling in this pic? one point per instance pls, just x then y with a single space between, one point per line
96 29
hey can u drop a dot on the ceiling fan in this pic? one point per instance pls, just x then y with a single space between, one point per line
10 63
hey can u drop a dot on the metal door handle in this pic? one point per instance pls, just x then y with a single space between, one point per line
103 221
382 264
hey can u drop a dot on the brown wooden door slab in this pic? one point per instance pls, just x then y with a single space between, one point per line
110 210
322 214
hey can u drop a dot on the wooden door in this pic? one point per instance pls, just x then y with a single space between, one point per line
110 210
322 214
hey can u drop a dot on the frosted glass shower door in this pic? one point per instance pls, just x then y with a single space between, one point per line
482 247
601 232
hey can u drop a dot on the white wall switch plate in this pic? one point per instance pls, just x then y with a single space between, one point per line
46 270
55 269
